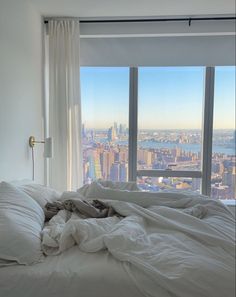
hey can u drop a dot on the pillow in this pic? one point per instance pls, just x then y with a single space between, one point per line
21 223
41 194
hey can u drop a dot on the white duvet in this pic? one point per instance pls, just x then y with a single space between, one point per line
184 244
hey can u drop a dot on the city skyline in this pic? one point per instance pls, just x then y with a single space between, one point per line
164 129
105 156
99 85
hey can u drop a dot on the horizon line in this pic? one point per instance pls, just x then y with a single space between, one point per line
162 129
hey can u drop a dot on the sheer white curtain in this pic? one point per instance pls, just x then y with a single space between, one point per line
65 168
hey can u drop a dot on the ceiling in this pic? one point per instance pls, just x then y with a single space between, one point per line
132 8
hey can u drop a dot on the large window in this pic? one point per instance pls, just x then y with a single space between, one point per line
170 103
223 176
154 125
105 108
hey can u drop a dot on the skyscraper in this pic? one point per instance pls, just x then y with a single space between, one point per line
92 134
124 172
116 127
111 134
107 159
115 172
83 131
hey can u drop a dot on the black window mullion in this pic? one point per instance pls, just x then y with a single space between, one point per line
133 122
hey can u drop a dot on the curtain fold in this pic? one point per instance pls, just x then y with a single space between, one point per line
65 168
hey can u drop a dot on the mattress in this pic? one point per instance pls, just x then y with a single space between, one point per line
71 274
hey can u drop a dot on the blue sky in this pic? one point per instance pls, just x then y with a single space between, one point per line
224 108
169 97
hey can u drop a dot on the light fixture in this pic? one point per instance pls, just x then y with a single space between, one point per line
47 149
47 145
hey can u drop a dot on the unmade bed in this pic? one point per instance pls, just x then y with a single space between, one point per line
162 244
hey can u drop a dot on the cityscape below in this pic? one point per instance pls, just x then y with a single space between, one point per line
105 156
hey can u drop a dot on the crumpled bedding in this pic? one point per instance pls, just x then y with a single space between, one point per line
183 243
86 209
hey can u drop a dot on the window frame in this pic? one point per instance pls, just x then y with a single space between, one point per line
208 106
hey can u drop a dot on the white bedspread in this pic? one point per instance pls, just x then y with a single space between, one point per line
182 244
70 274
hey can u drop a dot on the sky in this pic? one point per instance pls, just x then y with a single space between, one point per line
169 97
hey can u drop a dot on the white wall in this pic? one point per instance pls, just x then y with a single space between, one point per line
119 8
20 89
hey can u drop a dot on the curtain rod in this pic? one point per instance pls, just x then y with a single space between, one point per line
189 20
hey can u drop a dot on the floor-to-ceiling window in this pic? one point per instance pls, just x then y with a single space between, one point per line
223 176
170 117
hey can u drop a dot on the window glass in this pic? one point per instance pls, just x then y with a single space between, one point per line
170 118
154 184
170 110
223 177
105 110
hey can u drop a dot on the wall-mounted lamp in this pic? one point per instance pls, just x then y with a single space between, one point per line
47 148
47 145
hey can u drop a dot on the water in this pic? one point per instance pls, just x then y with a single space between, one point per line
195 148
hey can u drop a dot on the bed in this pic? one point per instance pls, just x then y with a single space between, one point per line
165 244
73 274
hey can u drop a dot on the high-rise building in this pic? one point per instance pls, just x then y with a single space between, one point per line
124 172
145 157
107 159
83 131
94 171
116 127
97 166
121 131
115 172
121 155
196 184
91 168
111 134
85 171
92 134
227 178
176 152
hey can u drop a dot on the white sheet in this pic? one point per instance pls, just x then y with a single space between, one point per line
183 244
71 274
